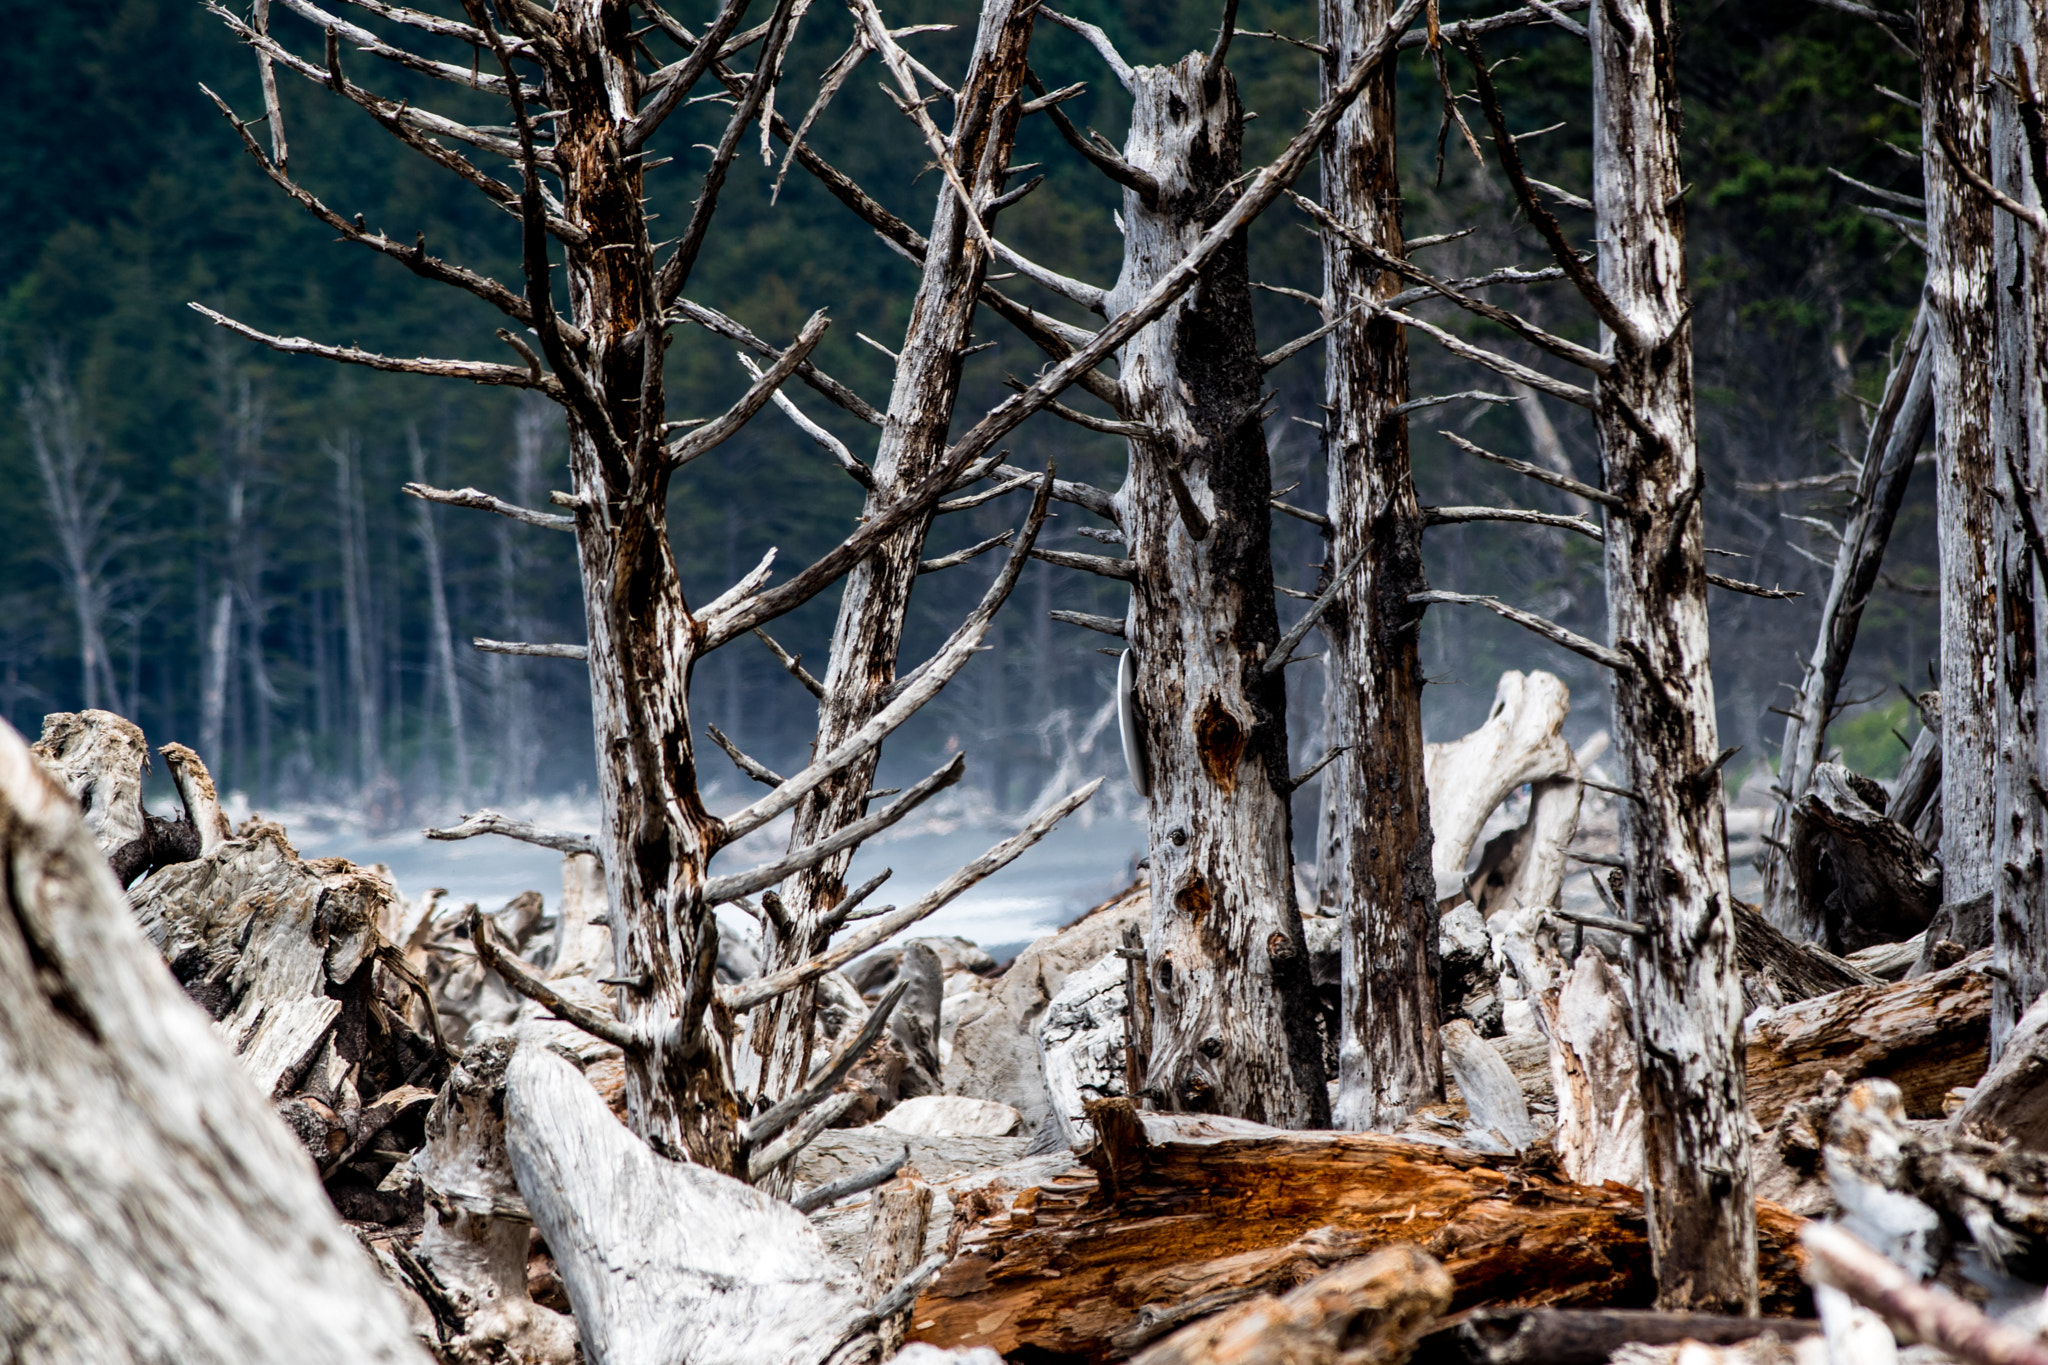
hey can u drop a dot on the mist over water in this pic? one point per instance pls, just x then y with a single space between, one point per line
1087 859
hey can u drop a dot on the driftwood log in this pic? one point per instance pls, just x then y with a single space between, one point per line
1927 1035
1175 1217
1572 1336
152 1207
1860 877
1369 1312
1521 741
100 758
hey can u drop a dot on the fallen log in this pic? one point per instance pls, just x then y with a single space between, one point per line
100 758
1369 1312
1174 1217
1927 1035
1521 741
154 1208
1574 1336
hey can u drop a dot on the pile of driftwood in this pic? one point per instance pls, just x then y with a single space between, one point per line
185 1153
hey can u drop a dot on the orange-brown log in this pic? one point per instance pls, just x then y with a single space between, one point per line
1174 1217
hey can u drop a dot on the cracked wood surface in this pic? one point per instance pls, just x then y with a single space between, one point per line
1178 1216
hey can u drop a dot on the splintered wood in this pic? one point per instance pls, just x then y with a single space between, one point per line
1174 1217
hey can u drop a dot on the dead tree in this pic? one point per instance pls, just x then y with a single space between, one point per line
1896 431
2018 169
876 600
77 497
580 195
1374 796
1233 1023
1955 73
441 646
1688 988
156 1207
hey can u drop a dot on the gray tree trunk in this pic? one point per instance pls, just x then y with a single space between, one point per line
1233 1027
77 500
2018 39
445 679
1376 799
152 1207
361 675
869 633
1702 1217
1954 60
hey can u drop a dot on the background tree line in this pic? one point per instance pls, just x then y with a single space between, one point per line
158 469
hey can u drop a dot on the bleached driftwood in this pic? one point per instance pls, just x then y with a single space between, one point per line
2012 1098
474 1238
1593 1066
1526 865
1521 741
100 757
155 1207
256 935
1493 1097
1173 1217
1081 1044
664 1260
898 1215
1370 1312
202 802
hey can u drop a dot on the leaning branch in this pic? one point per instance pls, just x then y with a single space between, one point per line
1549 630
522 979
494 822
578 652
475 371
477 498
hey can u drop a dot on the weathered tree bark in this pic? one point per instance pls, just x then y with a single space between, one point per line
2011 1100
1896 431
1927 1036
898 1214
1375 798
2018 167
1688 992
1234 1027
154 1207
1370 1312
869 633
1593 1069
1178 1216
1857 877
1493 1097
1955 70
363 686
1777 970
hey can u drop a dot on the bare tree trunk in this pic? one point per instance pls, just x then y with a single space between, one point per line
1234 1022
1688 992
1389 1059
361 677
445 679
78 501
1954 59
1894 439
2018 167
213 675
518 748
869 632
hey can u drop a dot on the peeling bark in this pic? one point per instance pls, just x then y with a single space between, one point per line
1234 1028
1688 991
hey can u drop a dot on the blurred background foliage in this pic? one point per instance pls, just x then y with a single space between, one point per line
126 196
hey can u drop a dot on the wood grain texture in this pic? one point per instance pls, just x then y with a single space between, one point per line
1926 1035
152 1207
1208 1212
